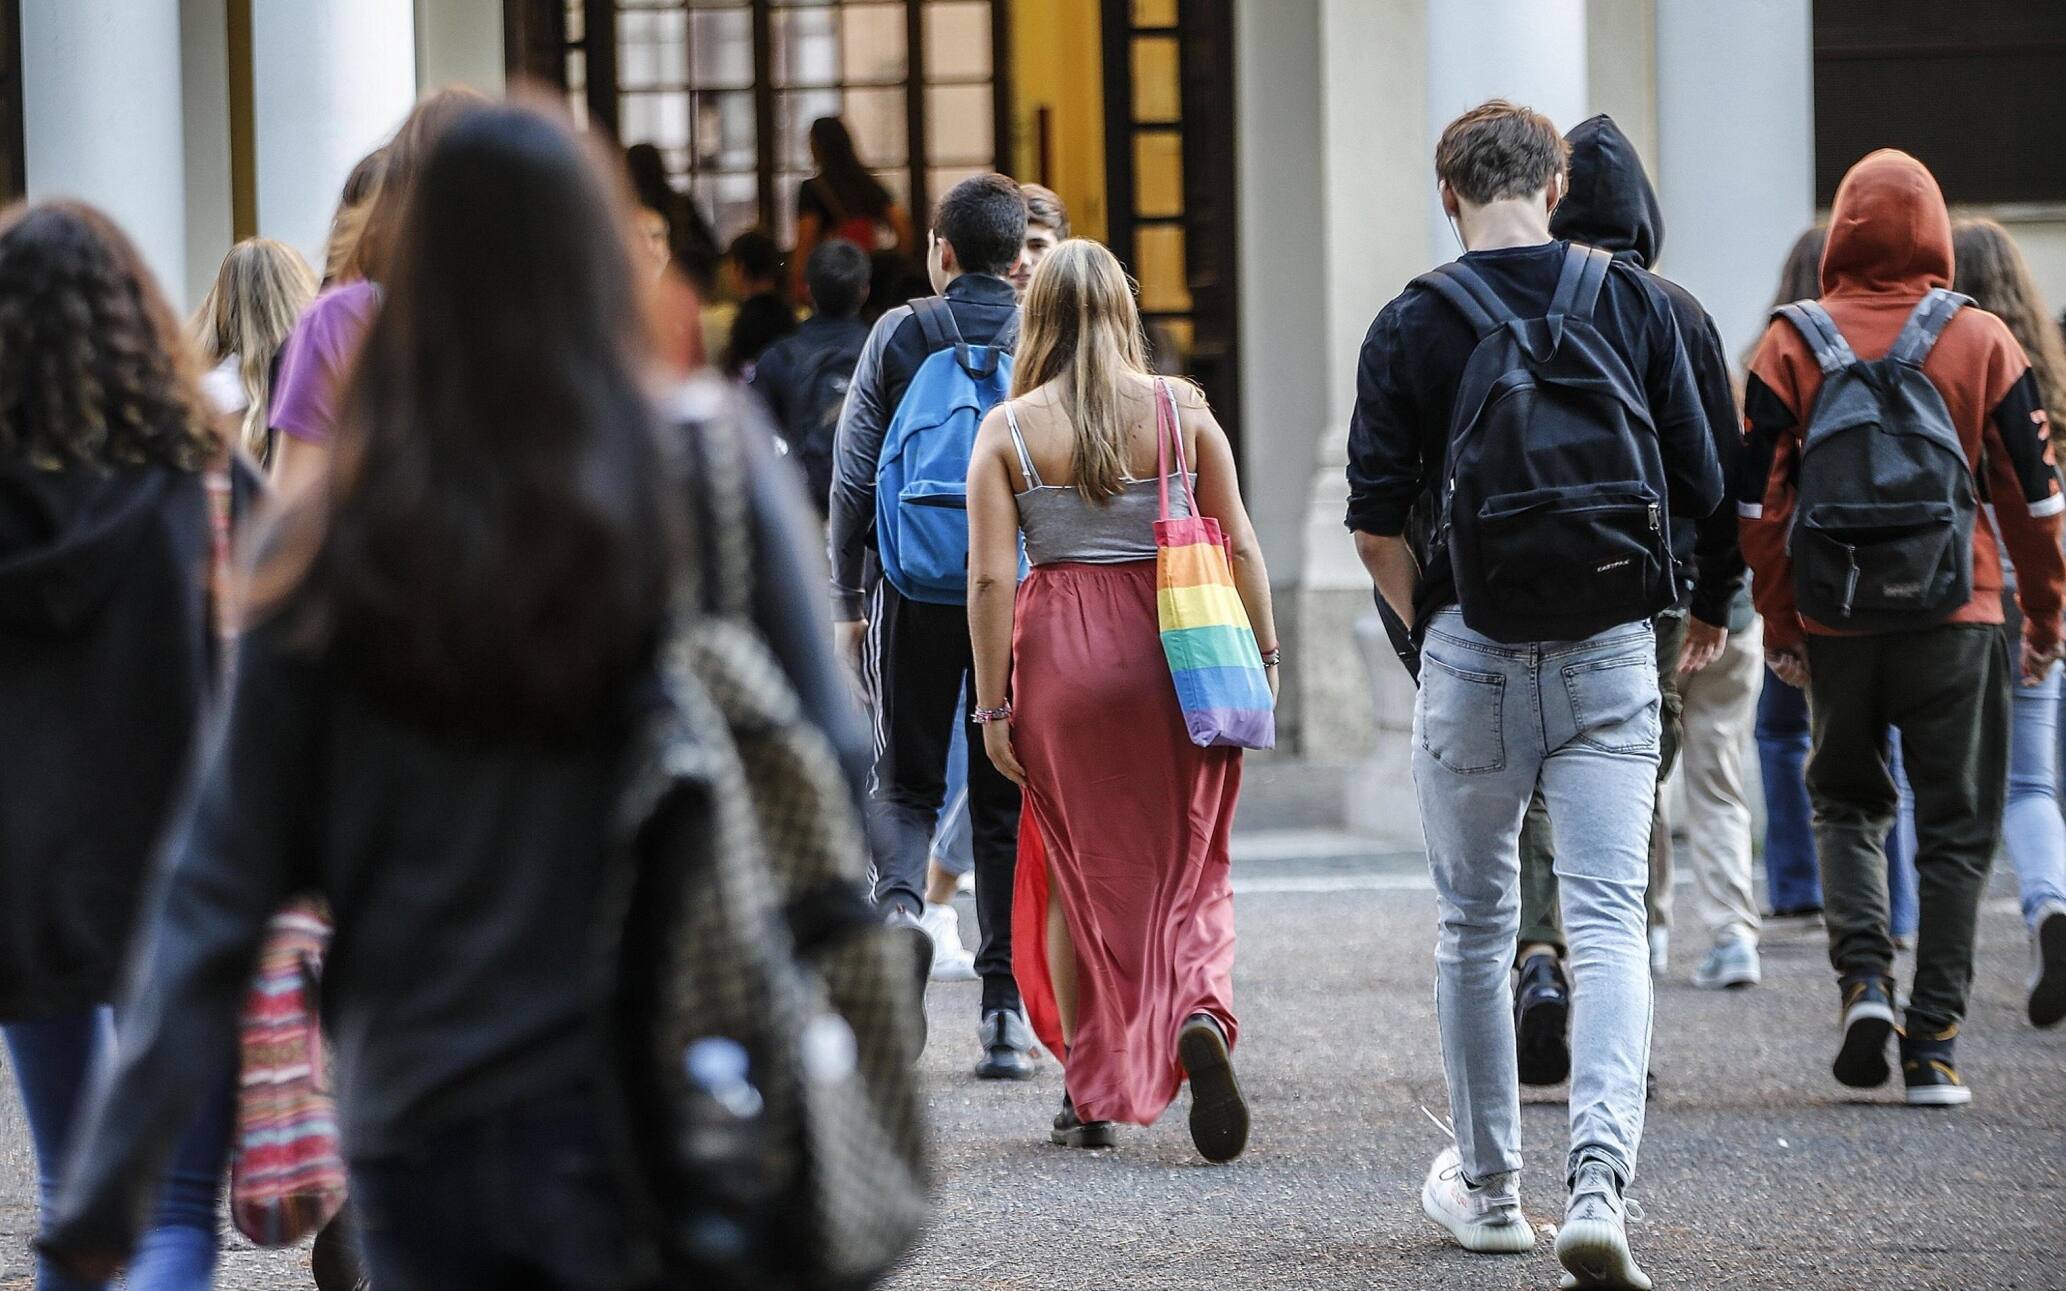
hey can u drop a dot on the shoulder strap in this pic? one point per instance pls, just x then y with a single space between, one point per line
720 543
936 322
1018 439
1832 352
1579 282
1169 436
1460 285
1919 334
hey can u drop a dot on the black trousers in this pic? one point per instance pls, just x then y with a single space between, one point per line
917 659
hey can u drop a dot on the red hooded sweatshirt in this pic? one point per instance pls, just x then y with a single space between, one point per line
1889 244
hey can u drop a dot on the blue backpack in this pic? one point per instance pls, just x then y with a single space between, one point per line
921 479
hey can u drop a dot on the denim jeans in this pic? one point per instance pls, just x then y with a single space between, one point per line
519 1200
2033 832
53 1062
1493 722
1792 879
954 838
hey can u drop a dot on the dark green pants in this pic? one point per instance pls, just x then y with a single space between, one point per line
1541 922
1946 689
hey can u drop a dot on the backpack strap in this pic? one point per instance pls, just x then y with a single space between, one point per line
1832 352
1579 282
1460 285
1919 334
1018 439
936 320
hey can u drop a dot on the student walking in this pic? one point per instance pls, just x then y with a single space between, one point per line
1992 271
1872 413
259 293
909 642
404 741
803 377
108 654
1610 204
1125 909
1546 553
1047 227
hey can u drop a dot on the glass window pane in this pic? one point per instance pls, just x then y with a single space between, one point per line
721 48
806 47
655 116
732 201
1158 173
957 41
1154 13
1156 96
724 138
899 184
652 48
577 19
1171 342
881 130
794 113
958 125
873 43
1159 265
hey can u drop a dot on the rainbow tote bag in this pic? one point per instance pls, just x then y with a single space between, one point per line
1220 683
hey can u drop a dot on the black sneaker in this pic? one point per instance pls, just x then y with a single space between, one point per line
1219 1115
1072 1133
1929 1068
1867 1022
1007 1046
1542 1012
2048 983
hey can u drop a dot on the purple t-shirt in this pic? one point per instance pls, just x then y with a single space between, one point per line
317 358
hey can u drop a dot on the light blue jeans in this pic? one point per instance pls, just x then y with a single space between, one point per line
2031 827
1492 722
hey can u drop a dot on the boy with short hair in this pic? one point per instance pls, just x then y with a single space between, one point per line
804 377
1047 227
914 656
1565 697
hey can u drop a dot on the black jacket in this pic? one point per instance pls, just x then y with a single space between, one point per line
463 878
105 658
983 306
1611 205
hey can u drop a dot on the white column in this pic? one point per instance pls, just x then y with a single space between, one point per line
1532 52
102 118
330 80
1736 149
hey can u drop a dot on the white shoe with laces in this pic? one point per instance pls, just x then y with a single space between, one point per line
952 962
1482 1217
1593 1243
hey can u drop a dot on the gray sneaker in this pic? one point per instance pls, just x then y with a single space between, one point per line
1593 1243
1731 964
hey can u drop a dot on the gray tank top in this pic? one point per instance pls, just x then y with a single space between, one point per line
1060 524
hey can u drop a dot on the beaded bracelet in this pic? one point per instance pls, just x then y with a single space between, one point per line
985 716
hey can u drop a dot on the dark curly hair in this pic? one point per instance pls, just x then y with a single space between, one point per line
95 370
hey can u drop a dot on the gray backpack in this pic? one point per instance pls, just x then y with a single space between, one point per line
1883 523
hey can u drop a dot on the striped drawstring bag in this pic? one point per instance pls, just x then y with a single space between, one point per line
1220 683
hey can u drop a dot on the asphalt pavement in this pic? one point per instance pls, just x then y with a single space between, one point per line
1757 1170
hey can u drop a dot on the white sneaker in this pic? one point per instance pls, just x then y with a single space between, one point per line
1593 1243
1731 964
952 962
966 884
1483 1218
1660 951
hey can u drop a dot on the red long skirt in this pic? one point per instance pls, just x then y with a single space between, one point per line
1128 821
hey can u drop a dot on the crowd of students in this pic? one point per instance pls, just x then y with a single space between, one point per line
363 588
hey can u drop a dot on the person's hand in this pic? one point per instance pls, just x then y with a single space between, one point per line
1790 663
2038 662
1704 644
846 643
997 743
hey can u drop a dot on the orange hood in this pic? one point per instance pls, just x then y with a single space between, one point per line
1889 233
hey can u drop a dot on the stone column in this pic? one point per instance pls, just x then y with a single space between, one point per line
103 120
1736 150
330 80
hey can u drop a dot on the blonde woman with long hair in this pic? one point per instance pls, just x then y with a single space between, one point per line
1123 916
258 295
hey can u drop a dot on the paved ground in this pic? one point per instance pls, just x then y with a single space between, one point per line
1757 1171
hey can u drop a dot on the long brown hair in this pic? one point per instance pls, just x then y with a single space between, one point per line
342 251
400 161
1989 267
258 295
95 370
1082 324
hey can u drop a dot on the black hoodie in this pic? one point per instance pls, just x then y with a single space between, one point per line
105 656
1611 205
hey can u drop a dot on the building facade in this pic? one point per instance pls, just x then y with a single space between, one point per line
1263 166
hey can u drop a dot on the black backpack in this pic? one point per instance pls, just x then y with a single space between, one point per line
811 412
1885 498
1552 505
